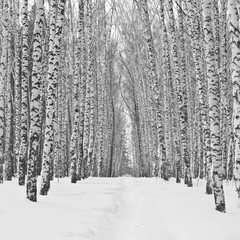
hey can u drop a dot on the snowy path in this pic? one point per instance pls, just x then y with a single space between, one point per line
117 209
140 217
159 210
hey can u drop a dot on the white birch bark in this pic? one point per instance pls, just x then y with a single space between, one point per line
8 101
54 51
152 75
167 75
214 106
91 85
24 101
3 75
226 127
183 98
35 120
203 123
234 30
88 130
82 85
177 81
74 136
102 98
17 100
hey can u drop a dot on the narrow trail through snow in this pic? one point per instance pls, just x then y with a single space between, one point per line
159 210
122 208
139 218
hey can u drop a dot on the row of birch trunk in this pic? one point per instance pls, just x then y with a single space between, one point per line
99 88
180 64
59 101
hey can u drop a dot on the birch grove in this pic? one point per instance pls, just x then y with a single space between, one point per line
145 88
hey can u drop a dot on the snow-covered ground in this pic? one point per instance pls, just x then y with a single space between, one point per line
117 209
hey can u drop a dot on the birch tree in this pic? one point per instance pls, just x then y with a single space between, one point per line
175 58
102 91
214 107
88 130
53 68
226 96
35 120
17 87
91 85
3 75
167 75
74 136
24 92
152 74
234 30
183 98
203 121
8 100
82 90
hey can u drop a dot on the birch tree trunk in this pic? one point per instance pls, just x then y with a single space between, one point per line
167 75
234 30
214 107
91 86
50 99
102 89
182 99
3 75
152 75
203 123
24 101
17 100
35 120
88 115
75 131
220 71
177 80
53 68
226 126
82 85
8 100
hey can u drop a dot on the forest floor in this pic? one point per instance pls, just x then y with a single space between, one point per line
123 208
